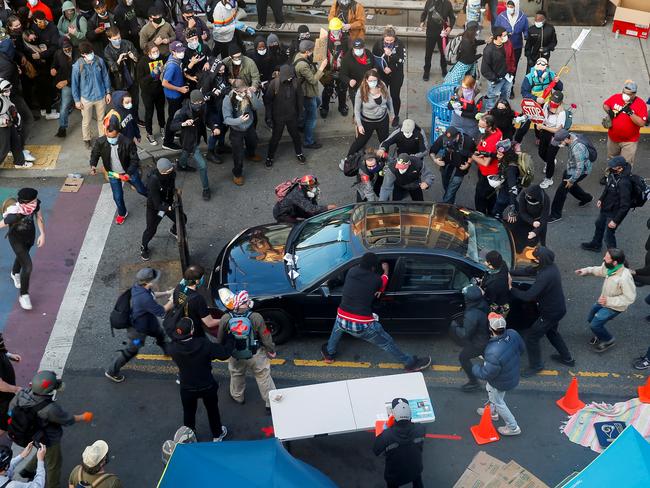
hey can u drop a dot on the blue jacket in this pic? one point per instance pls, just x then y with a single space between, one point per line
533 82
145 311
91 81
501 366
520 31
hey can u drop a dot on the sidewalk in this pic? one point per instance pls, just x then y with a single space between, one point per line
598 71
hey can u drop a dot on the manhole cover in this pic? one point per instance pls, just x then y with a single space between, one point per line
171 273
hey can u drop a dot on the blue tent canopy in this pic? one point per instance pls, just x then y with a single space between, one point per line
263 463
625 463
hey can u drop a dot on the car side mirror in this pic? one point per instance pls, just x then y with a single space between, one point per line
325 290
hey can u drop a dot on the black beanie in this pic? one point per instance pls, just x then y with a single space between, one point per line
27 195
369 261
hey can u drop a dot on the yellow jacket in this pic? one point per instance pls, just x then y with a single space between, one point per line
357 18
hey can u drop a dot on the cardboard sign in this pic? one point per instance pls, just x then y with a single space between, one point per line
72 185
320 47
533 110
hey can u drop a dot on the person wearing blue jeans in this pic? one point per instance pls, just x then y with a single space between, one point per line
452 152
362 284
121 163
310 105
495 69
617 294
61 71
309 76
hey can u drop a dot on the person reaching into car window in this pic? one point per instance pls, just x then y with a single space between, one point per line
300 201
354 316
407 174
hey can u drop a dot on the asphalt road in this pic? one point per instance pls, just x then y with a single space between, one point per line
137 416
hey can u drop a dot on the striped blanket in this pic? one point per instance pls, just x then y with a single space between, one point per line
580 426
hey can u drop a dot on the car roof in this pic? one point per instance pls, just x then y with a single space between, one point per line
424 225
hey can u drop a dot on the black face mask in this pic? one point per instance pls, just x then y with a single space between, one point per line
196 107
167 176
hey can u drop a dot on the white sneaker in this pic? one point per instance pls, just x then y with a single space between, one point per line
16 278
546 182
25 302
52 116
26 164
224 433
28 156
342 164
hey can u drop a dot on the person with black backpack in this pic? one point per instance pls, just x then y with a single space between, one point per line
248 329
582 155
90 473
144 320
8 463
36 416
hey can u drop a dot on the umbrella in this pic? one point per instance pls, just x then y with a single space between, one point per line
263 463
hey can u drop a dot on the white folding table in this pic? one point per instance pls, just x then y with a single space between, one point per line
341 406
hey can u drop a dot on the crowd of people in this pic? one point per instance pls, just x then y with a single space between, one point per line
123 62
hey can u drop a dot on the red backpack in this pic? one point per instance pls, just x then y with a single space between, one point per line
284 188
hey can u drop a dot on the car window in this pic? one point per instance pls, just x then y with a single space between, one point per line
421 274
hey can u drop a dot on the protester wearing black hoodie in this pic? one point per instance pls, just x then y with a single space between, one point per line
126 20
495 284
614 204
551 303
194 356
123 114
284 107
473 332
529 226
147 73
265 63
402 444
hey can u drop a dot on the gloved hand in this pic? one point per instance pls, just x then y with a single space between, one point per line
87 417
520 119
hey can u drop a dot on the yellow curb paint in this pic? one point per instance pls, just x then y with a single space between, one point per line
593 374
445 368
162 357
549 372
336 364
599 128
390 366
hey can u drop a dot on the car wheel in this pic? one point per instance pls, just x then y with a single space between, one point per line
280 325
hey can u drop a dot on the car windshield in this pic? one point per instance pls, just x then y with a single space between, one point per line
322 245
486 234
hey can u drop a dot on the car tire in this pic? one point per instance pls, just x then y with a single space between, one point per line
280 325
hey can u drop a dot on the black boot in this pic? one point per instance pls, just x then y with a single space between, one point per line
343 110
213 158
61 132
323 112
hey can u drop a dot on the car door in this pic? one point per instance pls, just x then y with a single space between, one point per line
426 294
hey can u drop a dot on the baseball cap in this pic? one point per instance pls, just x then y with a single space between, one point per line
196 96
401 409
306 45
408 126
147 275
45 382
183 329
403 161
630 85
497 322
560 136
556 99
616 161
358 43
451 131
95 453
177 47
504 145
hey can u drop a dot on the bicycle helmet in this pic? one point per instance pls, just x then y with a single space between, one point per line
308 181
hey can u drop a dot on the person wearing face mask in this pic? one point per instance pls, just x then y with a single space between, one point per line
121 58
146 313
126 20
467 58
494 283
61 71
38 6
389 54
98 26
148 71
516 25
373 110
261 56
336 49
529 224
438 17
196 58
541 41
626 114
123 114
509 185
215 84
356 62
487 164
157 30
539 77
175 89
614 204
223 14
190 119
465 105
276 8
409 139
617 294
190 20
284 108
302 34
120 163
41 45
277 51
300 202
452 153
494 69
160 203
309 76
370 176
72 24
91 89
504 118
242 67
353 16
238 113
554 120
406 175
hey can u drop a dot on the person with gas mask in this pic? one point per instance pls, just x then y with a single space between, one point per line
452 153
148 71
284 108
90 92
336 49
72 24
126 20
98 26
370 176
160 203
157 30
191 121
541 40
353 16
238 113
390 54
438 17
406 175
120 161
300 202
11 138
214 83
409 139
356 62
530 221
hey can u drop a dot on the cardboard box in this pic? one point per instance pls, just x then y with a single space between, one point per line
486 471
72 185
632 18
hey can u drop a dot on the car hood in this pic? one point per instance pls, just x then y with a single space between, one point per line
253 261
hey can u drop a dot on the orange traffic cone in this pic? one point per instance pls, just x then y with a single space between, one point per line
570 402
644 392
485 432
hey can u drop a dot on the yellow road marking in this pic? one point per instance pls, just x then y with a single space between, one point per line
593 374
390 366
162 357
445 368
336 364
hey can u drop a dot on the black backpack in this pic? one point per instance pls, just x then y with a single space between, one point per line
351 163
639 191
593 154
120 317
174 316
24 424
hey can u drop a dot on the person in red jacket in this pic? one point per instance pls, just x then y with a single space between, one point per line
488 164
38 6
627 113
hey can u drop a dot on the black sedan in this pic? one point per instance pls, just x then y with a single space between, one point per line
296 273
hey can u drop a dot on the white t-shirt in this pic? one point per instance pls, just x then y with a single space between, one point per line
555 120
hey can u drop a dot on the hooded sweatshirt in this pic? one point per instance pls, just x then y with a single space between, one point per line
531 212
617 195
264 63
547 288
126 20
125 117
52 416
402 443
194 357
516 25
283 98
78 21
474 328
495 285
